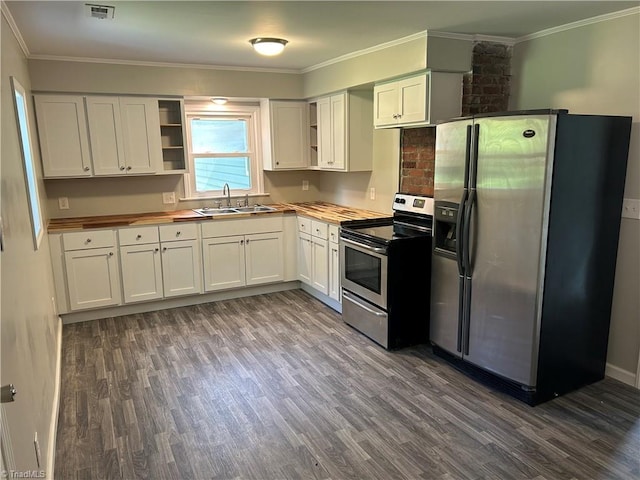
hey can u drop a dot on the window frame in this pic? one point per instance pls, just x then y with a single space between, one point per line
29 166
250 112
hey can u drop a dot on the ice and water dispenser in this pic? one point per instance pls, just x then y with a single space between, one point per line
445 220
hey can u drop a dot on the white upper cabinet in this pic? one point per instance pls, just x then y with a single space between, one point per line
423 99
141 134
341 124
64 141
98 135
285 134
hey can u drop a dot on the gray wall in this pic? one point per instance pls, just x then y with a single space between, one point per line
29 325
596 69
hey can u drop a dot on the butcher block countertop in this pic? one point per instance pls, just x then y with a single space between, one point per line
327 212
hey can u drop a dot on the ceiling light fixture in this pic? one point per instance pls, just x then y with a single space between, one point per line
268 46
219 100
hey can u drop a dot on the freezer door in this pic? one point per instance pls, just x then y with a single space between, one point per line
449 185
507 244
448 178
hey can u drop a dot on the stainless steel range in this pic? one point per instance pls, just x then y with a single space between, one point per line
386 272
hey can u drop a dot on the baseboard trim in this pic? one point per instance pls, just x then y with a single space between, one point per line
620 374
326 299
53 428
132 308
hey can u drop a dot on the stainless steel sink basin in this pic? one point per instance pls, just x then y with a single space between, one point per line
255 208
210 212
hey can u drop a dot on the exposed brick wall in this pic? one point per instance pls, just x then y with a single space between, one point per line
485 89
417 162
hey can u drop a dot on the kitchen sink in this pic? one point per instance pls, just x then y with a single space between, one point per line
255 208
210 212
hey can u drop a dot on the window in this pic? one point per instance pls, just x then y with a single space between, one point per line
222 149
22 118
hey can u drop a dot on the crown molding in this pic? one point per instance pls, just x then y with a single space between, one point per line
473 38
14 28
138 63
580 23
358 53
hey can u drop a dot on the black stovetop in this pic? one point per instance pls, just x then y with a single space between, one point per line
385 230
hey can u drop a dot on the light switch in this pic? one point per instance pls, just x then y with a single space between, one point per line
63 203
631 208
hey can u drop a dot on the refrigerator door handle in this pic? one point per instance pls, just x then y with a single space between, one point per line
463 203
474 157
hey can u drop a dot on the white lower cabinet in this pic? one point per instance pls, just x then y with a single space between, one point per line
92 273
334 263
141 264
313 254
181 262
233 261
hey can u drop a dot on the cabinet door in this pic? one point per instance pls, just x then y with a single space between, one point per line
385 104
338 131
105 135
320 265
304 258
141 134
141 272
62 131
412 96
224 263
93 278
334 271
324 132
289 135
263 258
181 268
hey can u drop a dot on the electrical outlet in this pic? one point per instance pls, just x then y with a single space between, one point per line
169 198
63 203
305 184
631 208
372 193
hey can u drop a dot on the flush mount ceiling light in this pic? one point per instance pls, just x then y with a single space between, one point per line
268 46
219 100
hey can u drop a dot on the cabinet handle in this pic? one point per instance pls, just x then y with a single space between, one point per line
88 240
138 237
164 249
178 233
86 169
128 168
247 241
241 242
121 167
111 254
157 249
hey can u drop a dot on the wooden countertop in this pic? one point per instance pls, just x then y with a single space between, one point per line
327 212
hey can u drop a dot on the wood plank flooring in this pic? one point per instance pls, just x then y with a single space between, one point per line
278 387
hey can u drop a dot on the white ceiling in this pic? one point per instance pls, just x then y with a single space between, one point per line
217 33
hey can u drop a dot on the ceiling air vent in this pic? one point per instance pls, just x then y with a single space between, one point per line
102 12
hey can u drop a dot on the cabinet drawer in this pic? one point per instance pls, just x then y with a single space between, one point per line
334 233
138 235
179 231
304 225
88 239
320 229
242 226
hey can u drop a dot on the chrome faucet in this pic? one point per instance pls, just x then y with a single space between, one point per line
226 188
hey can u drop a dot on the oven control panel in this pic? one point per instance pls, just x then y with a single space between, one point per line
403 202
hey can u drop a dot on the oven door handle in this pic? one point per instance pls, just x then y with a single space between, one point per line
346 295
381 251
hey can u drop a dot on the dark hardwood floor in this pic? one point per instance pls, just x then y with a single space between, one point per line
278 387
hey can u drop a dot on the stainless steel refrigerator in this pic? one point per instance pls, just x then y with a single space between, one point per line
526 220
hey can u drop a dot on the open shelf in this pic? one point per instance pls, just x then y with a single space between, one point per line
172 135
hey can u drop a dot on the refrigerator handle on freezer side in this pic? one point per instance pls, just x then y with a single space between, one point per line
473 162
461 316
466 261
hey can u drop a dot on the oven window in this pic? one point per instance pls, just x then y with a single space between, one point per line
363 269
